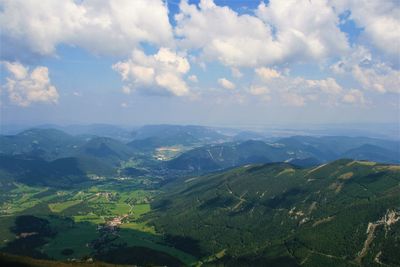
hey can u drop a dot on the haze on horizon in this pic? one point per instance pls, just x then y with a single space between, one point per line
200 62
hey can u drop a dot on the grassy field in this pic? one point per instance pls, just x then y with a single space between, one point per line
60 206
79 220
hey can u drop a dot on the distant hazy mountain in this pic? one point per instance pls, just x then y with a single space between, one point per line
51 144
61 172
192 132
248 135
226 155
211 154
153 136
339 214
375 152
48 144
102 130
301 150
106 149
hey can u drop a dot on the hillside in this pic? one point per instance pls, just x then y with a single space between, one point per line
106 149
301 150
150 137
61 172
48 144
226 155
338 214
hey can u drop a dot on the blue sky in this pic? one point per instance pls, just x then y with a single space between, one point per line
199 62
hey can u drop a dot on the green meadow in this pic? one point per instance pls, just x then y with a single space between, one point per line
79 221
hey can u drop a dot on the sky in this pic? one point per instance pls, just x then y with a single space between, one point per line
199 62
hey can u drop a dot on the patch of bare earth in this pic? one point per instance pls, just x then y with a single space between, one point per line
323 220
391 217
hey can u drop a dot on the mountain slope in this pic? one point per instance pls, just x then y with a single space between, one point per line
226 155
369 151
105 149
150 137
61 172
48 144
329 148
279 214
300 150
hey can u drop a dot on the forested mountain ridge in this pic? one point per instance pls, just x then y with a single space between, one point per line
338 214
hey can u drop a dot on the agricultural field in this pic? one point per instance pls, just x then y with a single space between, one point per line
344 213
169 152
82 223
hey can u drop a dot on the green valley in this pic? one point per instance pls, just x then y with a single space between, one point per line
208 200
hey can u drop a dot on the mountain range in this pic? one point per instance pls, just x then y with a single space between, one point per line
202 150
344 213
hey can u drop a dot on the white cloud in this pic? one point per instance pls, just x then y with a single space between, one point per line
193 78
25 87
328 86
18 70
380 78
226 83
297 91
99 26
358 55
224 35
236 72
305 29
354 96
266 73
380 21
369 73
163 70
275 34
258 90
172 83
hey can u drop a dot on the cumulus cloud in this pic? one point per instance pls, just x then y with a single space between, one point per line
301 34
266 73
358 55
296 91
276 33
99 26
226 83
223 34
236 72
380 78
354 96
25 87
328 86
380 21
258 90
163 70
370 73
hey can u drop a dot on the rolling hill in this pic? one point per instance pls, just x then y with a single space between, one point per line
344 213
152 136
61 172
48 144
300 150
106 149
